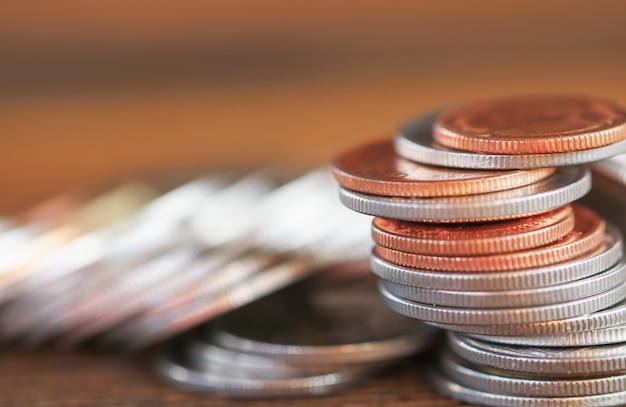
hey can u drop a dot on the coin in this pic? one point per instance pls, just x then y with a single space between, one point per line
499 381
446 317
468 395
474 239
532 125
565 186
374 168
414 141
226 382
605 256
613 334
325 326
508 299
556 362
588 233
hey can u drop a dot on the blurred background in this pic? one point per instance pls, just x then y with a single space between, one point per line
93 93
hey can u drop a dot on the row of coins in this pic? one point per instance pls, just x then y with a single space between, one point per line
312 339
499 253
131 267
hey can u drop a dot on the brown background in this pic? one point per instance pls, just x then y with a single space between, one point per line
96 93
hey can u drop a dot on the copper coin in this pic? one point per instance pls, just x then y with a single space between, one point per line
374 168
587 234
532 125
474 239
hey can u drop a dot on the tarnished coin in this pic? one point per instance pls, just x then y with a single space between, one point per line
559 362
374 168
474 239
588 233
532 125
414 141
468 395
565 186
343 323
499 381
602 258
508 299
447 316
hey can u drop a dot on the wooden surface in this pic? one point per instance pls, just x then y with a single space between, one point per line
96 94
86 379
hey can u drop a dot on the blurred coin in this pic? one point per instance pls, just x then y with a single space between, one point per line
414 141
240 384
602 258
531 125
561 188
374 168
339 324
474 239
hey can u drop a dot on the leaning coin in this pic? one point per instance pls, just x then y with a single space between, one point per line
226 382
474 239
374 168
510 383
342 324
561 362
414 141
461 316
565 186
602 258
468 395
272 279
531 125
575 290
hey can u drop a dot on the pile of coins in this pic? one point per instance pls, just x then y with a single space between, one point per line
308 340
130 268
493 247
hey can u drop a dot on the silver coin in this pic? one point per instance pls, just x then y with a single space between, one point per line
544 361
264 283
468 395
239 384
143 299
202 354
414 141
339 324
222 280
613 168
507 316
506 382
614 334
578 289
606 318
579 268
566 185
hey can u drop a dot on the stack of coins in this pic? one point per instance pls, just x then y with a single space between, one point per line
308 340
496 250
